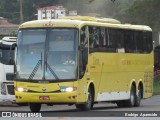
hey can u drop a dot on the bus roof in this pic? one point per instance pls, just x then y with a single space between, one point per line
78 21
93 19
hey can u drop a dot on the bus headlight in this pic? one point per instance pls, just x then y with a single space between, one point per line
68 89
19 89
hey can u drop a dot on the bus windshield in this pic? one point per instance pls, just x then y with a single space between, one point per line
6 53
47 54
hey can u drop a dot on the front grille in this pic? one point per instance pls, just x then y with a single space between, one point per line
9 76
3 89
10 89
7 88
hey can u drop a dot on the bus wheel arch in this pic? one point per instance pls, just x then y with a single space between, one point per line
131 101
91 94
90 99
93 90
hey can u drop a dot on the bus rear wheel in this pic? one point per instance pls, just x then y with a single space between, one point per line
35 107
138 97
89 103
131 101
128 103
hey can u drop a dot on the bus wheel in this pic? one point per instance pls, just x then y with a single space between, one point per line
131 101
138 97
89 103
35 107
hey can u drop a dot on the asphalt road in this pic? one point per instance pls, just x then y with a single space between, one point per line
149 108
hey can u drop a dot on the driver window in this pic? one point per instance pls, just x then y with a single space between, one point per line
84 50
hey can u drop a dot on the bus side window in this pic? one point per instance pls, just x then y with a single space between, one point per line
129 42
102 40
138 41
120 41
93 38
147 42
83 57
111 40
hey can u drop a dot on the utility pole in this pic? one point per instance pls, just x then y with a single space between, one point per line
21 10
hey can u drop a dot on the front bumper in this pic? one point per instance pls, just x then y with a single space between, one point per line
7 98
60 97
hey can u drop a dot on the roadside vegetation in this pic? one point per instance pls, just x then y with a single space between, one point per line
156 85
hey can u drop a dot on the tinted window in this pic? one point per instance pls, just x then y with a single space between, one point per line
147 42
105 39
138 42
102 39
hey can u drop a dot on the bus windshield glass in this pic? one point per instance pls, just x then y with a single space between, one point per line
6 53
47 54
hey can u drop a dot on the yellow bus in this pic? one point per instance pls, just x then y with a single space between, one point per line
81 61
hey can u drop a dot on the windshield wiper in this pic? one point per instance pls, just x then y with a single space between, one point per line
35 69
49 67
52 71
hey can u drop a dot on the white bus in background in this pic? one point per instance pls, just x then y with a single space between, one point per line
6 69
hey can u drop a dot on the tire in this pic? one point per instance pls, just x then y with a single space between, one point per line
35 107
138 97
131 101
89 103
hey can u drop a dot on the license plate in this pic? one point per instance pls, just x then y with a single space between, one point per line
44 98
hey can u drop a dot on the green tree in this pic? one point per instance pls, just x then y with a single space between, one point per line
145 12
9 9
